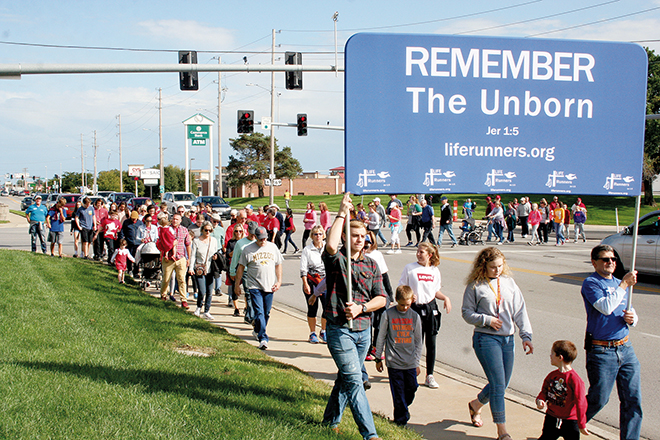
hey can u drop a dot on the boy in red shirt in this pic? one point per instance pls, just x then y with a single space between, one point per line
564 396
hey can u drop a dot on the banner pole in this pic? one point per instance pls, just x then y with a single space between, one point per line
349 274
634 247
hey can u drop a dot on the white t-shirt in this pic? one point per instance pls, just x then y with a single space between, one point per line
377 256
424 281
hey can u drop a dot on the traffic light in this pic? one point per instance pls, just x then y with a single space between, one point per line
188 80
245 121
302 124
293 79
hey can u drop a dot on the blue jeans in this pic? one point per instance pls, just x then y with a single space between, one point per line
261 303
605 365
348 349
558 232
380 235
205 291
495 354
38 230
449 230
498 228
288 240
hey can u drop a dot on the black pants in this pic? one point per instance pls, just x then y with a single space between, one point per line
305 237
130 266
543 232
524 225
112 244
428 232
98 246
403 384
412 226
553 428
430 325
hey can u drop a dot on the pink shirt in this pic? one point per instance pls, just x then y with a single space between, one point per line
534 218
325 219
310 219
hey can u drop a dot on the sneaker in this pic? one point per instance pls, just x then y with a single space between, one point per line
296 251
367 385
218 292
230 303
584 240
391 251
575 241
454 245
530 243
313 339
370 357
237 312
75 255
410 243
398 251
256 336
263 345
208 316
198 311
184 305
430 382
322 337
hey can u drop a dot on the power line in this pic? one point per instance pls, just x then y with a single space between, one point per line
473 14
595 22
538 18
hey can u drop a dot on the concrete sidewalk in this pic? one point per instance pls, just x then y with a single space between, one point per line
435 414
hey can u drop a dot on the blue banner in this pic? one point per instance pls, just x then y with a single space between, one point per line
454 114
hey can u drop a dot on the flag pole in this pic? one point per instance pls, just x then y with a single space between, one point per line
634 247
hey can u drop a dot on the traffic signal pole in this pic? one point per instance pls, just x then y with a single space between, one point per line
271 197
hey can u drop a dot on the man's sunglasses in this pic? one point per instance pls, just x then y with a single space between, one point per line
608 259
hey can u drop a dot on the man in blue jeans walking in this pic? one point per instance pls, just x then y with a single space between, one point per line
349 341
610 355
261 264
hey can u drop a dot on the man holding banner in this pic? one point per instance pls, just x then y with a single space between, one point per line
610 355
348 328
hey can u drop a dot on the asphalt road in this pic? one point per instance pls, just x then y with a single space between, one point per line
550 278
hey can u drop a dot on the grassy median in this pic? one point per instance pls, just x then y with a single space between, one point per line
85 357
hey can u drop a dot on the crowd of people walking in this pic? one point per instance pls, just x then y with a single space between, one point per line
195 249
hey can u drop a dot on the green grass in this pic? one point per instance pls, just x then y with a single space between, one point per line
21 213
600 209
85 357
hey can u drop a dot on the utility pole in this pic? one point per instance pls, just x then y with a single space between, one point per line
94 186
121 179
82 163
160 140
219 141
272 128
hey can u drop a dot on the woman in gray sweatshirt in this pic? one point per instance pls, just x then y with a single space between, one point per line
493 303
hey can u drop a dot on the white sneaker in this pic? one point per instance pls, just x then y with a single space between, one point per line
391 251
256 336
263 345
430 382
398 251
208 316
198 311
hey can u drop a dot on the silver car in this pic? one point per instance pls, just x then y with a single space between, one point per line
648 250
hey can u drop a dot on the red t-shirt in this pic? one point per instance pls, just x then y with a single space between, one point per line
565 396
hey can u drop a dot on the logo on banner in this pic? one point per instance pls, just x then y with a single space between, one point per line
560 178
437 176
371 176
499 177
616 181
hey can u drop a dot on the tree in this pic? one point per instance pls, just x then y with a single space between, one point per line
251 165
175 179
652 133
71 181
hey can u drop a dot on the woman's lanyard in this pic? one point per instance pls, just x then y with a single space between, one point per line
498 296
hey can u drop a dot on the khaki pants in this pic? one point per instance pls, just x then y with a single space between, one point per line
179 267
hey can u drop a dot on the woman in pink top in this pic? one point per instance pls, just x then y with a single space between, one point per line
534 220
325 216
310 221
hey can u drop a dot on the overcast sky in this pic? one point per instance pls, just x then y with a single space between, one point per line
42 117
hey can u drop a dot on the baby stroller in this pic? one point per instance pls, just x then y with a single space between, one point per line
148 259
472 232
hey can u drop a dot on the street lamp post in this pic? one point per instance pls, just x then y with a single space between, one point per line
190 167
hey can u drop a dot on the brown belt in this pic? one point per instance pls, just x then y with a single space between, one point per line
610 343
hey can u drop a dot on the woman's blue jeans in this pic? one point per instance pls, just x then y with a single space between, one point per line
205 291
495 354
349 349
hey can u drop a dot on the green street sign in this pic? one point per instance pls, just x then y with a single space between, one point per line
198 131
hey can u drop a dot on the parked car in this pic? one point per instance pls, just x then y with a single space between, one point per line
218 203
104 194
93 199
136 202
648 249
4 193
70 205
27 201
117 197
178 198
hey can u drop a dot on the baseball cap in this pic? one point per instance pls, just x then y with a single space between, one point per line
216 218
261 233
37 198
488 198
233 212
274 206
377 199
252 227
443 198
135 215
249 207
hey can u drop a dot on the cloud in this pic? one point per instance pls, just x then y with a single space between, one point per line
190 33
